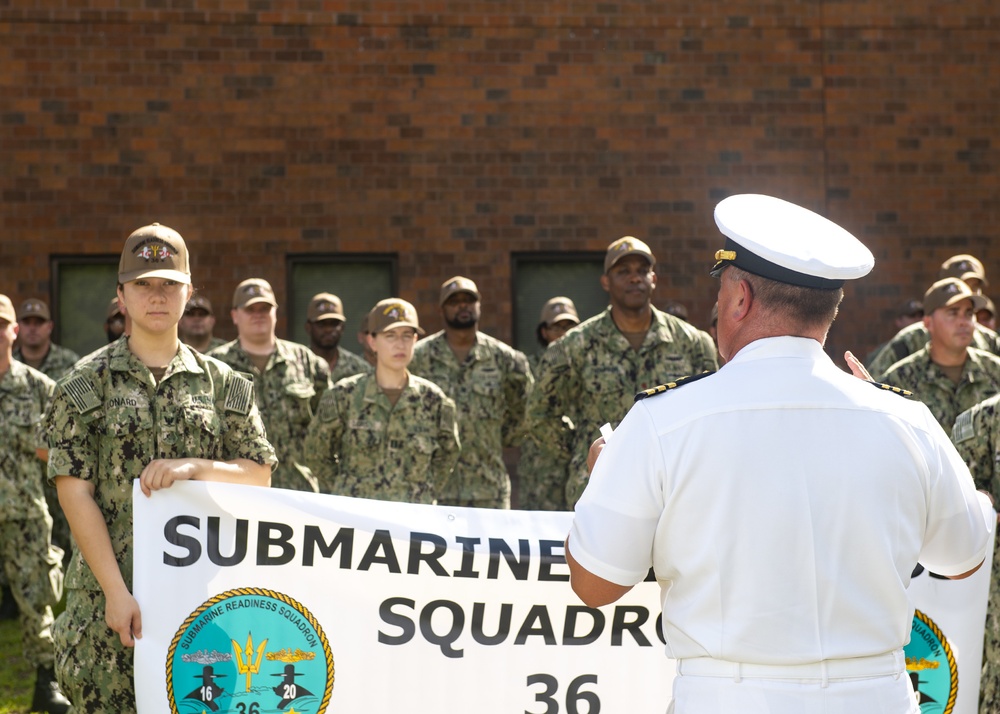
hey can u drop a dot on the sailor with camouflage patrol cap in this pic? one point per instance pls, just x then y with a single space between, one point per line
325 320
587 378
145 407
388 435
288 378
761 494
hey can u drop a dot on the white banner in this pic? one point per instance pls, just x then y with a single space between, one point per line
258 601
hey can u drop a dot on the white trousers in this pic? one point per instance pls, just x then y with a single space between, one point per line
719 695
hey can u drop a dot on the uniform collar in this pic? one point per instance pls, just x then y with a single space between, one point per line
122 359
15 377
659 327
784 346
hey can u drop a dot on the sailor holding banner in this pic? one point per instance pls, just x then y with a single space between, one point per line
781 502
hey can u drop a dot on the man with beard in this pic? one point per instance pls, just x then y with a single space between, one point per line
489 383
325 326
948 374
592 373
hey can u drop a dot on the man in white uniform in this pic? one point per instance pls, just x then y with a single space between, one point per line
781 502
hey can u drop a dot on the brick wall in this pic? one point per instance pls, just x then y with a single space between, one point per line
455 133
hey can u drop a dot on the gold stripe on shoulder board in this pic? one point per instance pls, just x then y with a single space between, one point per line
895 390
670 385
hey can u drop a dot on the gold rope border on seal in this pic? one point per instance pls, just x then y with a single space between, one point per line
949 655
302 610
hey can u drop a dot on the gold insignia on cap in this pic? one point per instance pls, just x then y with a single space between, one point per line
395 311
154 252
725 255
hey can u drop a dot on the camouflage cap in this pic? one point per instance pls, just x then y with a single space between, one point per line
114 308
989 306
911 308
252 291
199 302
33 307
949 291
627 245
390 313
154 251
7 309
963 267
325 306
458 284
558 309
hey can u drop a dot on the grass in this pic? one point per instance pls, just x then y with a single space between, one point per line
17 678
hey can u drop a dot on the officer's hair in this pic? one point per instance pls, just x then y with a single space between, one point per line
793 303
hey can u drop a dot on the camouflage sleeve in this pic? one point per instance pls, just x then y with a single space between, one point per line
72 428
708 361
323 439
975 437
244 436
446 456
549 401
517 387
45 390
321 382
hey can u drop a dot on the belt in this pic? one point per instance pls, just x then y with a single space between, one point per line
889 663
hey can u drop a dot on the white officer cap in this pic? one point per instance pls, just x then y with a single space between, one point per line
778 240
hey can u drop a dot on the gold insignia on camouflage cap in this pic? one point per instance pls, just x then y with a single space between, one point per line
325 306
7 309
154 251
558 309
33 307
963 267
252 291
390 313
458 284
947 292
627 245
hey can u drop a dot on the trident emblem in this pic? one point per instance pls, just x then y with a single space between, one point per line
248 666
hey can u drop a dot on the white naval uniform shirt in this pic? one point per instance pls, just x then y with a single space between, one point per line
783 505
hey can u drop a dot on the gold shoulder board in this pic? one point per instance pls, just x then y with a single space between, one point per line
670 385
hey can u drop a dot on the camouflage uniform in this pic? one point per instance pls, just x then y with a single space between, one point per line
212 344
913 337
542 481
348 364
977 438
33 568
946 400
108 420
288 393
57 362
359 444
591 376
490 389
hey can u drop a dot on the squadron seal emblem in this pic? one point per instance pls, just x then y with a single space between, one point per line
246 651
931 665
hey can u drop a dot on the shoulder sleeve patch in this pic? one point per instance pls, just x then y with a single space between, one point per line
239 393
81 392
895 390
964 428
670 385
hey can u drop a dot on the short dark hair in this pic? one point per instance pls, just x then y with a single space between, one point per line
799 305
